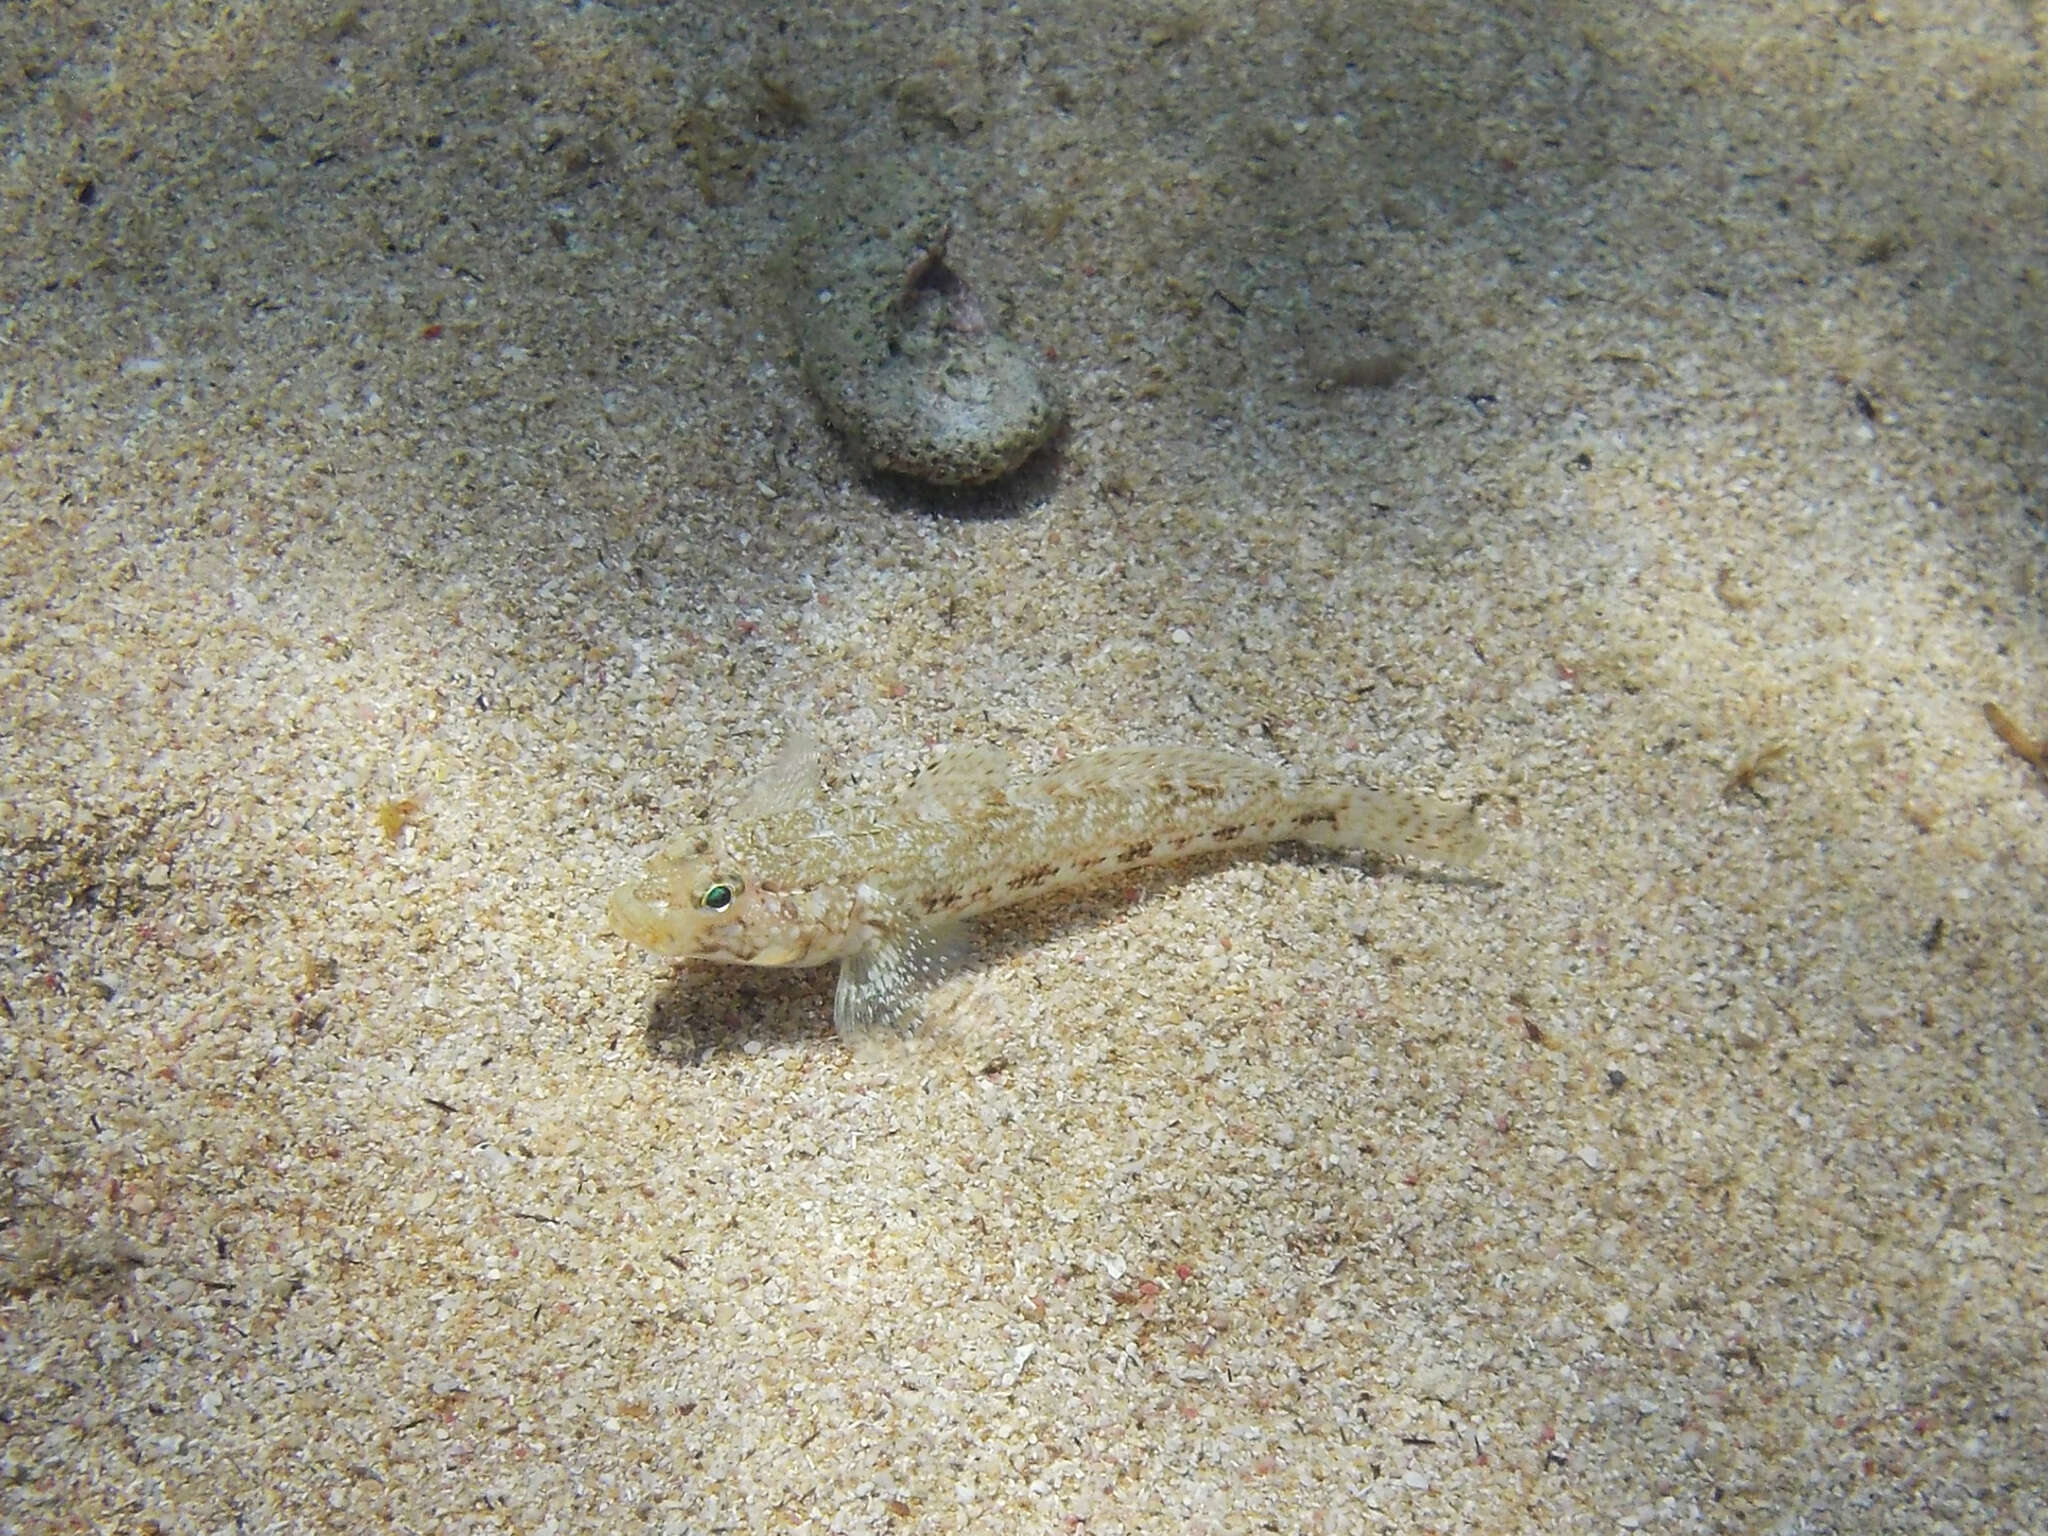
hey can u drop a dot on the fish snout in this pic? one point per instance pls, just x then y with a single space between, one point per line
654 914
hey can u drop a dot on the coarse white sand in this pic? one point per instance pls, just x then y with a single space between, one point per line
409 511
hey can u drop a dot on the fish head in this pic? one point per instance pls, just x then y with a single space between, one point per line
694 901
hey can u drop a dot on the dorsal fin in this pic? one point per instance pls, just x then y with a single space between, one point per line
964 777
793 779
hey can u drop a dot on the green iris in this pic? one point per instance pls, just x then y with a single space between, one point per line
717 898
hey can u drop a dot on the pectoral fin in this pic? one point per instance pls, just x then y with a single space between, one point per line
879 986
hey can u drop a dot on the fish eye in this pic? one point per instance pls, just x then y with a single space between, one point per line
716 898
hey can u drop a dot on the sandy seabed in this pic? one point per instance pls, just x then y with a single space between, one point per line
1636 415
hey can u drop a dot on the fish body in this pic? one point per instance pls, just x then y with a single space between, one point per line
882 889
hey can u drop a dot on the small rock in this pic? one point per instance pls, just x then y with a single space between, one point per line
898 349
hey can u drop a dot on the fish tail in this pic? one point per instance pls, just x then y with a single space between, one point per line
1391 821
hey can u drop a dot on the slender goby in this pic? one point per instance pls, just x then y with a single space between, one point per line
790 880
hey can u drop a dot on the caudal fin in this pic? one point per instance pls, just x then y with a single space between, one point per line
1393 821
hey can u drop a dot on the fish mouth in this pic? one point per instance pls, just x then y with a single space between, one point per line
652 922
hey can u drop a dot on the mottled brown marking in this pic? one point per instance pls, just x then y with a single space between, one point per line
1229 833
1135 853
1326 817
1038 874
